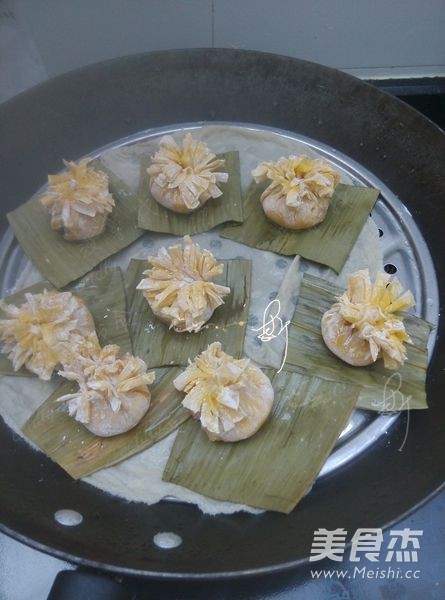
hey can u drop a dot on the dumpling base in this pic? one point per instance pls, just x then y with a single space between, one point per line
305 216
172 200
343 341
180 325
84 227
257 401
104 422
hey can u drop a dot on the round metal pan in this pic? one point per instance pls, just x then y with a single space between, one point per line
75 113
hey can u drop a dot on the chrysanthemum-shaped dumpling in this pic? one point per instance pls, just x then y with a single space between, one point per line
300 190
179 287
363 325
232 398
113 393
183 179
78 201
42 332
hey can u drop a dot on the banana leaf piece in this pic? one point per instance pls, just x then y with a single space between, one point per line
81 453
104 294
62 262
276 467
383 390
228 207
329 243
160 346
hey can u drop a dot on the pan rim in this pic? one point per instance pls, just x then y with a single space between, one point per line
165 576
156 574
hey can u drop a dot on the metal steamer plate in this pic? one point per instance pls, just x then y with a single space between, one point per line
405 252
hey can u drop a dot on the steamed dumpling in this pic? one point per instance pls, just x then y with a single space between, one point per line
364 326
299 191
183 178
179 286
78 201
113 393
231 398
42 332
